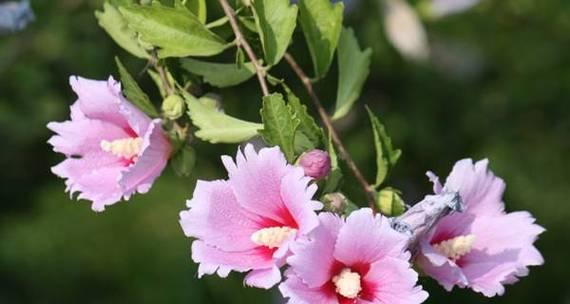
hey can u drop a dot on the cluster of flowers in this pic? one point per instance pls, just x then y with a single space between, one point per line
263 218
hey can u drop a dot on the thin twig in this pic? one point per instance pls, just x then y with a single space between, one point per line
242 42
368 189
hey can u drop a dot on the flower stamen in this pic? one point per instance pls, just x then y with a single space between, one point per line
272 237
347 283
456 247
126 148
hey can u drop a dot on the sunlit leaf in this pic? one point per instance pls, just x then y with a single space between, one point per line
279 124
111 20
217 127
276 21
198 8
386 155
308 126
133 92
353 66
321 21
219 74
334 179
175 31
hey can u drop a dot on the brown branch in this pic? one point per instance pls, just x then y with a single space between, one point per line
368 189
242 43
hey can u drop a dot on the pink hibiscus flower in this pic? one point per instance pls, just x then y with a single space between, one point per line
484 247
113 149
361 261
247 222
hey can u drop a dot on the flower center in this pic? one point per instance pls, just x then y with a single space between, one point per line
347 283
125 148
456 247
272 237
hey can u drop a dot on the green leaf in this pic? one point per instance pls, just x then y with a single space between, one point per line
273 80
334 179
302 143
353 66
217 127
386 155
276 21
217 23
198 8
111 20
158 80
248 23
322 23
279 124
332 153
176 31
133 92
390 202
350 208
308 127
184 161
219 74
240 58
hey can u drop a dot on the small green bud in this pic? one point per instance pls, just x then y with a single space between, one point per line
390 203
173 107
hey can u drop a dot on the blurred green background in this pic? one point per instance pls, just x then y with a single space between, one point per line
497 87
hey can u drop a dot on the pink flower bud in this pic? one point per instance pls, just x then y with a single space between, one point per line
316 163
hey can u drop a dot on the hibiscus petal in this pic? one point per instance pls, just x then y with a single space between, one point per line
486 273
367 238
493 237
437 187
99 99
454 225
298 293
81 137
313 258
481 191
439 267
151 161
212 259
137 120
501 255
257 182
397 282
297 197
97 184
263 278
216 218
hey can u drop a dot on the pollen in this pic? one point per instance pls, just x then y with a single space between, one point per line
456 247
125 148
347 283
272 237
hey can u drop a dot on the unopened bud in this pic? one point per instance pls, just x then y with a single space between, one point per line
173 107
390 203
335 202
316 163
